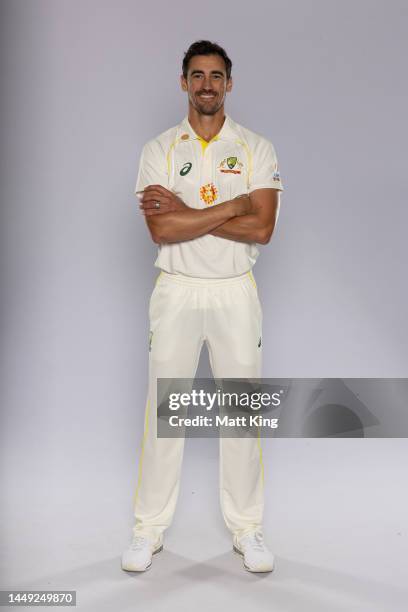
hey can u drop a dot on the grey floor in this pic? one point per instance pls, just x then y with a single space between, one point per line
335 517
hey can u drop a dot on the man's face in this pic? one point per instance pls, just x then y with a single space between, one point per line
206 83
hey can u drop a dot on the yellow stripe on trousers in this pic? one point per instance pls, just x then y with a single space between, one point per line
251 276
146 429
260 455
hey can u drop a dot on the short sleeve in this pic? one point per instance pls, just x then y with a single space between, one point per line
265 170
152 167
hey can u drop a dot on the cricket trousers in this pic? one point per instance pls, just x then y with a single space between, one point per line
185 312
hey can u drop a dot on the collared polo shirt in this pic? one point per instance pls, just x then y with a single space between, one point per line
236 161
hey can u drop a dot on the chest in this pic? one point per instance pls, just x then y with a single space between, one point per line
207 176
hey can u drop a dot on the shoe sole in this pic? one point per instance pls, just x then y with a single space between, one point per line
253 571
142 569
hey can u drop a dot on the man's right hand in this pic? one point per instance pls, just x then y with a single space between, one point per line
169 201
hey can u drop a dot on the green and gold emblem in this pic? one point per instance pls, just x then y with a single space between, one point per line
231 161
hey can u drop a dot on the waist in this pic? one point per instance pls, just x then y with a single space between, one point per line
198 281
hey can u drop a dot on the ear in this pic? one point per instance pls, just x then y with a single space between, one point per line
229 84
183 83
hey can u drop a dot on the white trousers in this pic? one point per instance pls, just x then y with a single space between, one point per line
184 312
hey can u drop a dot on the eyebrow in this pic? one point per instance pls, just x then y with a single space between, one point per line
202 72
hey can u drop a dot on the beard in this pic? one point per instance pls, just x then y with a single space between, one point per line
207 107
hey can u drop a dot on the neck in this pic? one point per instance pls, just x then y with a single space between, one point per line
206 126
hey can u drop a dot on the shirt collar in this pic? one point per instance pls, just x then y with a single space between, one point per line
227 131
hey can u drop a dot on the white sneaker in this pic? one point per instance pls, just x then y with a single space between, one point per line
138 557
257 557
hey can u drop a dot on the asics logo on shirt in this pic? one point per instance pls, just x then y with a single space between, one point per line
186 168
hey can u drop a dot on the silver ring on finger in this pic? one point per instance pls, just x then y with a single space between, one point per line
157 204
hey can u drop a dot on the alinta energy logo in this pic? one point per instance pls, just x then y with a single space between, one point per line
208 193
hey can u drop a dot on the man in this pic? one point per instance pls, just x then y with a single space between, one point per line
209 190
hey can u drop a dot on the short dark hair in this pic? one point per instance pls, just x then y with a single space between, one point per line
205 47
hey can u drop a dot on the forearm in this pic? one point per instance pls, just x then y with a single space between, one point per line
247 228
190 223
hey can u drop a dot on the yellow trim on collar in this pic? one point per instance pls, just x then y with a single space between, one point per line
204 143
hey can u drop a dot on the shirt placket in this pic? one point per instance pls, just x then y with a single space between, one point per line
206 167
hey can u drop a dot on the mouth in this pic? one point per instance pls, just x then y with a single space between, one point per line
206 96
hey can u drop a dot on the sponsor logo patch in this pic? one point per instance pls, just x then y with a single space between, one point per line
186 168
230 165
208 193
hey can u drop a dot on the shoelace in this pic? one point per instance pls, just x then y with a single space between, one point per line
254 540
138 542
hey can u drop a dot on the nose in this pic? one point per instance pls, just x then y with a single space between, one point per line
206 82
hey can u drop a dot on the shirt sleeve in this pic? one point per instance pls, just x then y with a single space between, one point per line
152 167
265 169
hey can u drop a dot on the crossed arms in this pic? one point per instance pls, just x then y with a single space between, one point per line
246 218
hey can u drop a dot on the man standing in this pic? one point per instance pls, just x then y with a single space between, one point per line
209 190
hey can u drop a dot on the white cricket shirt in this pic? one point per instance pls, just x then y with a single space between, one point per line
202 174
